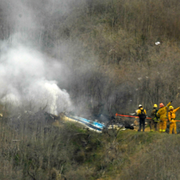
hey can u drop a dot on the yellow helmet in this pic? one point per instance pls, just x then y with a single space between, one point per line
171 107
155 106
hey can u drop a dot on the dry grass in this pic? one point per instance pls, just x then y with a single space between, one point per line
158 160
32 150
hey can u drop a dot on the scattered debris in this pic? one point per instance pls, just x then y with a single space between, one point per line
157 43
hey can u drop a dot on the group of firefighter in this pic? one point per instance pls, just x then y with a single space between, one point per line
159 119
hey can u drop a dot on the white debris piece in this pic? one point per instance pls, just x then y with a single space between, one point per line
157 43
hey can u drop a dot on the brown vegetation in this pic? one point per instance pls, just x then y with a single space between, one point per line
128 68
108 46
33 149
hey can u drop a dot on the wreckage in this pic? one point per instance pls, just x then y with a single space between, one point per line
113 123
45 118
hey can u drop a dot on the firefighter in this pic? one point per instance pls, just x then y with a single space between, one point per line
153 122
172 121
162 114
142 117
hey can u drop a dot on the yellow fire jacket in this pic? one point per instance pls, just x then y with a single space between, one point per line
139 111
162 112
172 115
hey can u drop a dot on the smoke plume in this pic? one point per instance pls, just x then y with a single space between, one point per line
27 76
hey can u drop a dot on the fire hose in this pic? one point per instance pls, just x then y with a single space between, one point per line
122 115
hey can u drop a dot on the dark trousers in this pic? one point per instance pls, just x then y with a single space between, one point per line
151 124
141 122
156 125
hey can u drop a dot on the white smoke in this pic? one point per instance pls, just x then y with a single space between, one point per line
50 95
25 78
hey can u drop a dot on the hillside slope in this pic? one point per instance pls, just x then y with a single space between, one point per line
108 48
34 149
